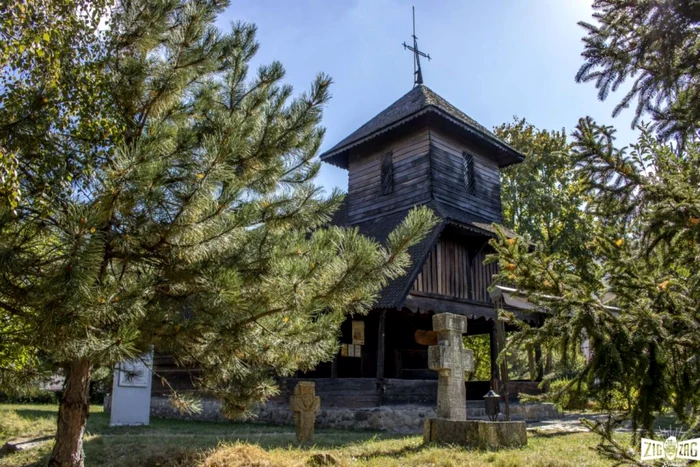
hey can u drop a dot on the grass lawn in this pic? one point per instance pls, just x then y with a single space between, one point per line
178 443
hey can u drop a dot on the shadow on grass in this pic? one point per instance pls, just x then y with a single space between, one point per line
545 434
395 453
168 442
98 425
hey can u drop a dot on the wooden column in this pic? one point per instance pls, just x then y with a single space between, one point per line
493 347
501 338
538 362
380 344
334 367
532 370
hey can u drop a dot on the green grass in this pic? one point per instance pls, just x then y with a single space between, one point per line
180 443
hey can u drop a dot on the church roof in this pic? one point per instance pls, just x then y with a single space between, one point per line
461 219
420 101
394 294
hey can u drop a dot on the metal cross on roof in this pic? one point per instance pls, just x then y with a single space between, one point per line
417 54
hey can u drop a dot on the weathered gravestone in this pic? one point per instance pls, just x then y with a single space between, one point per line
305 403
452 361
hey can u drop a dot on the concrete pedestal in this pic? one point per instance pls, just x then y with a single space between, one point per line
475 433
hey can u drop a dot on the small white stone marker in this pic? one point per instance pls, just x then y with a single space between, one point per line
131 392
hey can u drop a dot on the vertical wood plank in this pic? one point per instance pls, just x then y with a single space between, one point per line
453 269
439 268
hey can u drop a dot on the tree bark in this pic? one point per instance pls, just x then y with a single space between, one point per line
549 364
73 412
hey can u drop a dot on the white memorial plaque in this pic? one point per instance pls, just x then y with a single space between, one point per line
131 392
133 374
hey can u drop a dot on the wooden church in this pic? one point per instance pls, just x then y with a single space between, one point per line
421 150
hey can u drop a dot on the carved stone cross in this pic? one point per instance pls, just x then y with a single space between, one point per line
451 360
305 403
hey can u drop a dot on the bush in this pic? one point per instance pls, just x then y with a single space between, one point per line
574 398
36 396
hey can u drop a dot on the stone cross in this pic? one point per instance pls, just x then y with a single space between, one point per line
451 360
304 404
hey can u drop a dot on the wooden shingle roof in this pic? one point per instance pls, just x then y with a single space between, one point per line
420 102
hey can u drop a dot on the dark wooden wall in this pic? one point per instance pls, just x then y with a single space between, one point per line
411 179
178 377
364 366
448 178
455 268
427 165
404 357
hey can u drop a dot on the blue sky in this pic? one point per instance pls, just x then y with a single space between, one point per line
491 59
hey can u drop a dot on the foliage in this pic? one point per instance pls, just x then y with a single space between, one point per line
51 56
517 357
542 200
656 43
637 301
541 197
34 396
569 395
480 345
195 228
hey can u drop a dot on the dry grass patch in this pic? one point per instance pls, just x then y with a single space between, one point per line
244 455
558 450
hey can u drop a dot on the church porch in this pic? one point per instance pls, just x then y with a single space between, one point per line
392 366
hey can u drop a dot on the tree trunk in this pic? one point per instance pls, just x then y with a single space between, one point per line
549 364
73 412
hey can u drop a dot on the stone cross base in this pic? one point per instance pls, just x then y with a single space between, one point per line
475 433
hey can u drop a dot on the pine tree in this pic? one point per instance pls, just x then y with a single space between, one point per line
657 44
636 301
192 224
